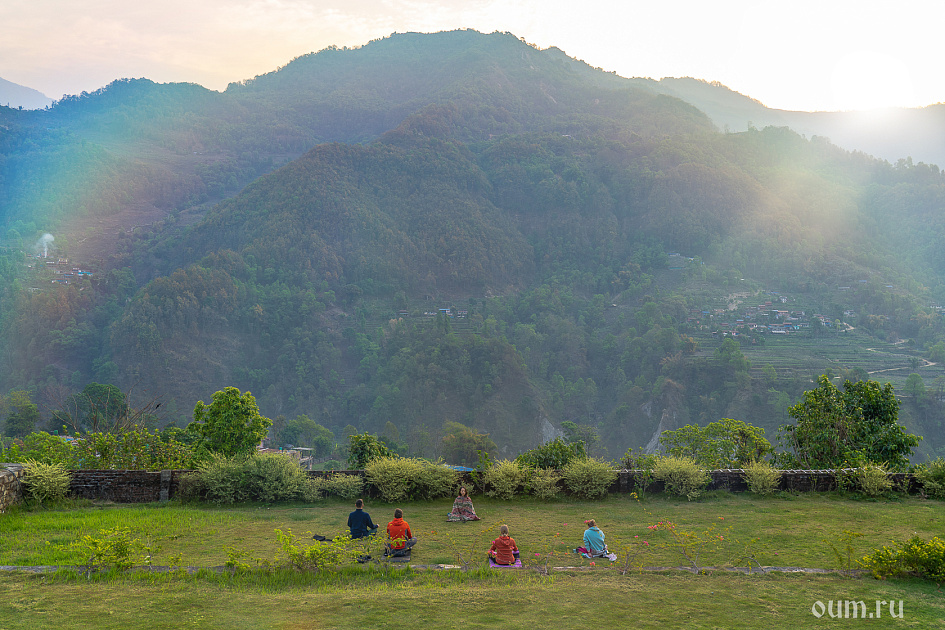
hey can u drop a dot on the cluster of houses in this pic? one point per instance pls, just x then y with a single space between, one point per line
446 312
765 318
63 272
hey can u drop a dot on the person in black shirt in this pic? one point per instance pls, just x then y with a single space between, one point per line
360 522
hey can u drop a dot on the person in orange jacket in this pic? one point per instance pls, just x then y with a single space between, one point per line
399 537
504 550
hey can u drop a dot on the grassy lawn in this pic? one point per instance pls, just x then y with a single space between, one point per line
785 531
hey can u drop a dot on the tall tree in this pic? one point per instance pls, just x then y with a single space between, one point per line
230 425
857 425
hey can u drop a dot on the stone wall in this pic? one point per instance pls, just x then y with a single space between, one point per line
11 492
125 486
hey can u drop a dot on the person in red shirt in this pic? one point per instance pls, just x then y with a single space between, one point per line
504 550
399 537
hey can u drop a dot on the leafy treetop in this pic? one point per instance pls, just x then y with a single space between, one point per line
230 425
857 425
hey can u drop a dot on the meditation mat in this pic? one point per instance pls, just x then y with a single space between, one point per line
517 565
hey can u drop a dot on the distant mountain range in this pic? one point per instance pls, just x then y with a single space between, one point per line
16 96
890 134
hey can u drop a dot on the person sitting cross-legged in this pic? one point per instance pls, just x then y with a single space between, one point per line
504 551
399 537
359 522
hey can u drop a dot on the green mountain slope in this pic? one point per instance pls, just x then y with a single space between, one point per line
463 228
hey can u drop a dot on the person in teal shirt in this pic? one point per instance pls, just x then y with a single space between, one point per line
594 546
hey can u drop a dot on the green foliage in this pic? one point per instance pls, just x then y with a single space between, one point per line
303 431
554 454
247 478
230 425
873 479
343 486
859 424
682 476
98 407
543 483
504 479
932 476
762 477
409 479
42 447
320 556
842 547
133 448
589 478
363 449
22 416
462 445
46 483
585 433
726 443
916 556
112 548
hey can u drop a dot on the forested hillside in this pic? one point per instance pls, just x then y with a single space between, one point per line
460 228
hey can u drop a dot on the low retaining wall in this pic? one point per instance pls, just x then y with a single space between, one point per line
125 486
10 491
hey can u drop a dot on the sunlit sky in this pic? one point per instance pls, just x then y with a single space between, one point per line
799 55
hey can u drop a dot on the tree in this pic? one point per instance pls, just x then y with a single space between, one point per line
726 443
461 444
574 432
914 386
857 425
230 425
98 407
365 448
303 431
22 416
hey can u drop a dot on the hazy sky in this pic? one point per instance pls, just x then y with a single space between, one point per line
799 54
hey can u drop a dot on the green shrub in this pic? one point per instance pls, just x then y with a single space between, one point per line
41 447
726 443
504 479
914 557
134 448
436 480
247 478
762 477
111 549
46 483
554 454
405 478
344 486
589 478
320 556
682 476
543 483
873 479
932 476
392 476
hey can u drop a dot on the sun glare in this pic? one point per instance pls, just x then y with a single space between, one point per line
867 80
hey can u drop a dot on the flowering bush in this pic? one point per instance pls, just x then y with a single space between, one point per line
405 478
682 476
762 477
589 478
504 479
916 556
